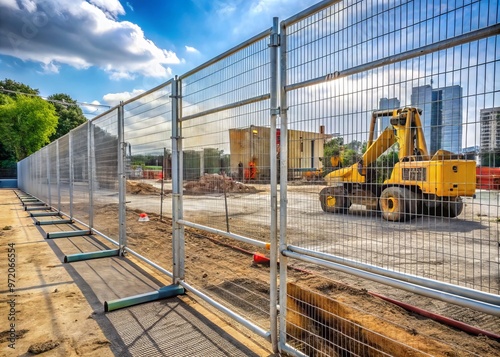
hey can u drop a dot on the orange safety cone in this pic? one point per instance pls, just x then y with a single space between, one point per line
260 259
143 217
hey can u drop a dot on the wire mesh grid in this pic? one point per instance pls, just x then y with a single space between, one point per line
104 159
226 172
64 173
81 183
53 172
450 87
147 137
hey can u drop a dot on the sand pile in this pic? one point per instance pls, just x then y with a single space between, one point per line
217 183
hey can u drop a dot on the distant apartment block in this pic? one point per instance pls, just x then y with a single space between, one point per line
490 129
441 116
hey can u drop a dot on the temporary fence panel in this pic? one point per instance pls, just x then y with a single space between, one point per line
65 182
104 168
225 165
343 61
147 143
53 173
81 184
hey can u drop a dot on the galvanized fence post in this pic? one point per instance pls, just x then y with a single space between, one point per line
178 229
49 178
91 173
58 177
273 288
71 173
122 149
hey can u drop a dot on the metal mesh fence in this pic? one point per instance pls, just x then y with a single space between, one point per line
64 174
387 149
226 173
104 160
81 184
385 189
147 133
451 89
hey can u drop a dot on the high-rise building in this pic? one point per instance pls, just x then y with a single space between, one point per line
490 129
385 104
441 116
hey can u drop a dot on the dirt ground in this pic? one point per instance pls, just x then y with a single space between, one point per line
232 277
226 270
40 304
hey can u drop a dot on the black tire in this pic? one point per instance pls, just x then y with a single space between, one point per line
334 200
449 209
397 204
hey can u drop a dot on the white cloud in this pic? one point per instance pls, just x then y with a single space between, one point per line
115 98
81 34
129 6
12 4
191 49
112 7
50 68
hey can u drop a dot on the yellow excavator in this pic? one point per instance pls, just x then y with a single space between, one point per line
419 183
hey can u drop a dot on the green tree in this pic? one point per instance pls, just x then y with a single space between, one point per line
26 124
331 148
385 164
12 86
69 113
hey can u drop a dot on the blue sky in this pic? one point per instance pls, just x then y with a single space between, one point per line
103 51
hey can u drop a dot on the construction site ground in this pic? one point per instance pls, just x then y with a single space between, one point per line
61 290
57 309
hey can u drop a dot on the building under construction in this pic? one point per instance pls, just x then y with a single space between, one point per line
250 152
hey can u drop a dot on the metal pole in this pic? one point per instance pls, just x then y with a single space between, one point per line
273 287
58 176
49 183
91 154
177 229
71 173
283 173
162 182
122 151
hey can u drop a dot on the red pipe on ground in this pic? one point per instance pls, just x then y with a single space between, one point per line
259 258
443 319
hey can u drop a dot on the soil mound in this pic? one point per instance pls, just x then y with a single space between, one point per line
141 188
217 183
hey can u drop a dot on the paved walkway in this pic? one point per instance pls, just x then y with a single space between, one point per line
176 326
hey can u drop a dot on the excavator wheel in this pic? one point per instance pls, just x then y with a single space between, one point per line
449 209
334 200
398 204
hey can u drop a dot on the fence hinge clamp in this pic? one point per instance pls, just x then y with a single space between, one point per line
274 40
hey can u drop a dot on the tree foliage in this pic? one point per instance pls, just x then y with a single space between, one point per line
26 124
14 86
70 115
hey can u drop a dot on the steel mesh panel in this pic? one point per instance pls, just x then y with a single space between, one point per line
64 173
147 133
226 172
451 88
181 332
79 147
53 172
105 168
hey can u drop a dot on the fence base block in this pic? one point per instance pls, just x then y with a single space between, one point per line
36 208
45 214
68 234
91 255
57 221
162 293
